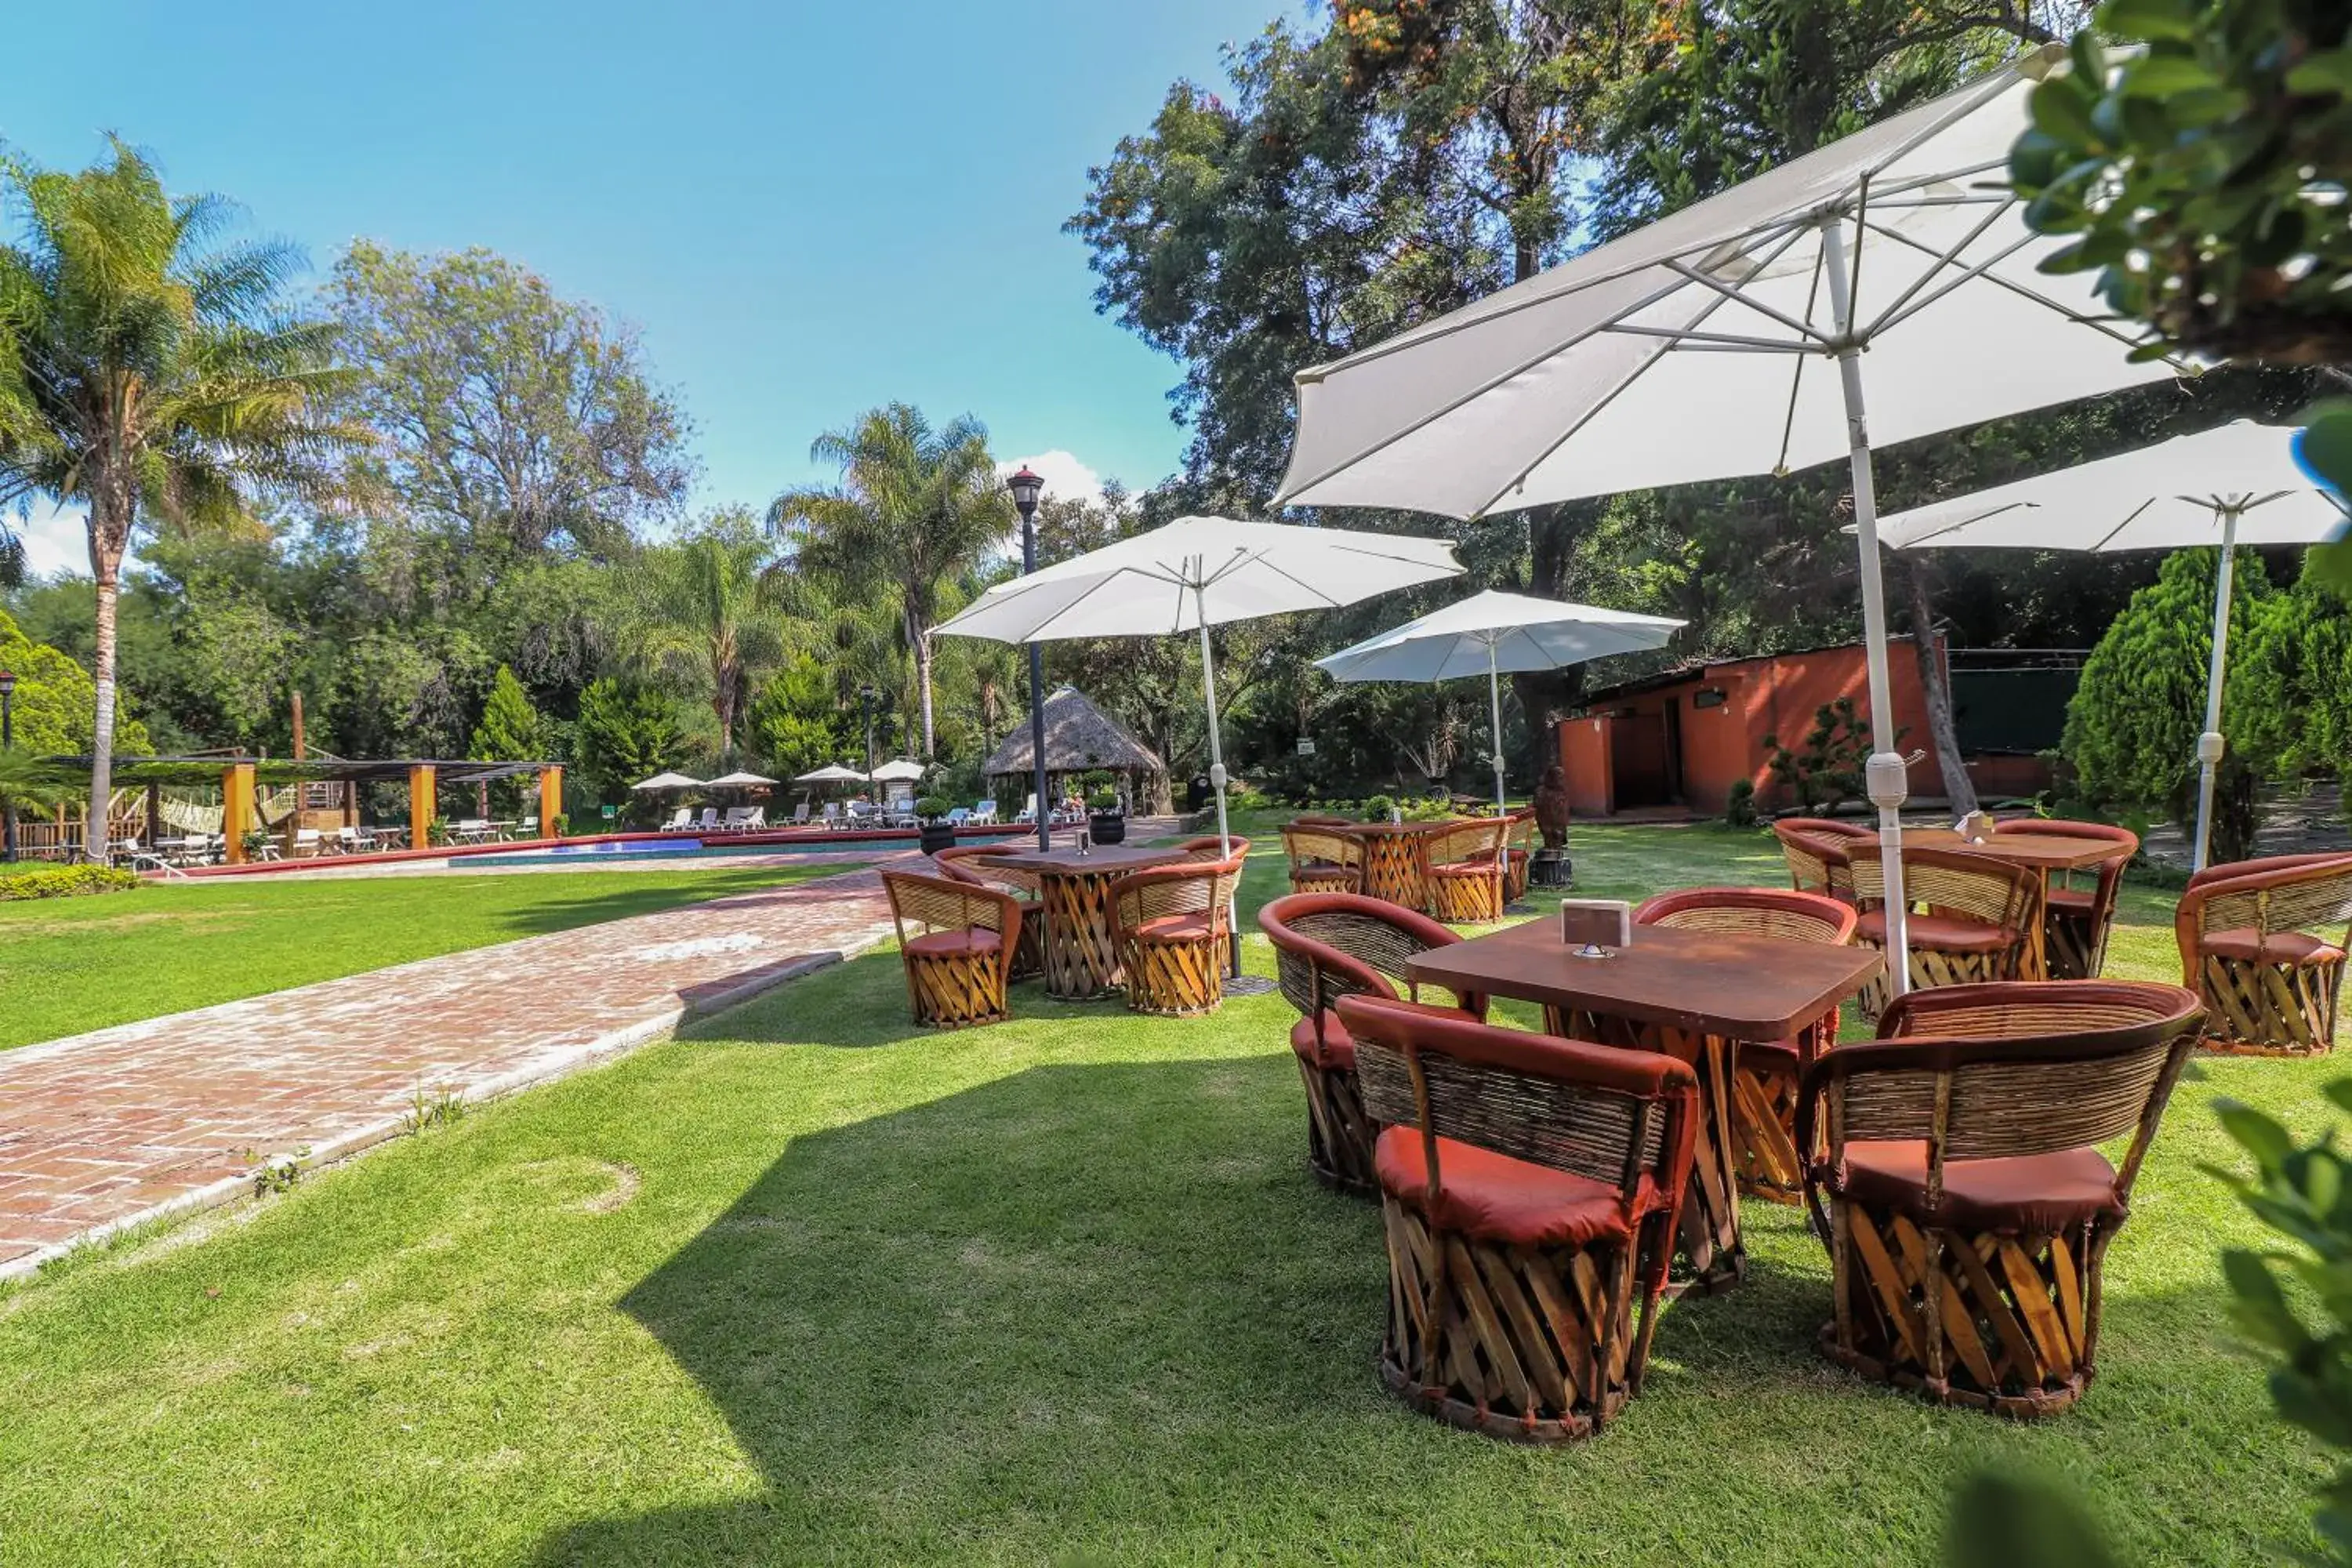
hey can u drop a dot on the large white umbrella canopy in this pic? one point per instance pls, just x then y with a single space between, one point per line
832 772
1691 349
899 771
2238 485
739 780
1196 573
660 782
1492 633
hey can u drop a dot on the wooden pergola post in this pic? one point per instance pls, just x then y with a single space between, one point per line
420 805
550 800
236 811
154 814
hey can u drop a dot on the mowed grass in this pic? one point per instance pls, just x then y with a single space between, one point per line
70 964
811 1286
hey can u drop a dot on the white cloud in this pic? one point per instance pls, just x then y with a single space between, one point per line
1066 478
56 540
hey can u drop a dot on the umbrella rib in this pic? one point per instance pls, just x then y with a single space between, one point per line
1800 328
2129 517
1521 368
1896 312
1619 389
2042 300
1797 381
1713 340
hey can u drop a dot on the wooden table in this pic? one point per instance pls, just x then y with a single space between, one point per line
1074 896
1692 994
2043 853
1393 868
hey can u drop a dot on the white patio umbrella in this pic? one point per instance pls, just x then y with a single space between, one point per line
899 771
1494 632
1683 351
1196 573
832 772
2238 485
739 780
660 782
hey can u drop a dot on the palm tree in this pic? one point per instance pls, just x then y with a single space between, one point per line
699 609
148 375
915 506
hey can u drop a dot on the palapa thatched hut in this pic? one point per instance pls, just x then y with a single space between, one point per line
1079 738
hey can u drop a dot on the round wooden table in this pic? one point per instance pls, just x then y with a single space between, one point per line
1393 865
1074 896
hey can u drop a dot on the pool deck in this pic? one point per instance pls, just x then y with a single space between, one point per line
108 1130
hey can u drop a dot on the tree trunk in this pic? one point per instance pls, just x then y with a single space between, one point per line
109 531
1544 694
1935 681
923 678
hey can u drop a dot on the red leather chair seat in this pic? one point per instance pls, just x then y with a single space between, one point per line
2073 900
1463 868
2034 1193
947 944
1174 928
1497 1198
1945 933
1771 1056
1337 1051
2279 947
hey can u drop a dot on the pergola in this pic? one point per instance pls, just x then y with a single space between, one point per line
240 777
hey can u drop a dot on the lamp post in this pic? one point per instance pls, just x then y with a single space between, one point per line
1027 488
7 739
866 706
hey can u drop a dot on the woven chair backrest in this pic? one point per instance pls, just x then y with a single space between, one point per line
2096 1072
2304 897
1467 843
1213 848
1566 1105
1312 845
1752 912
1955 882
1304 944
938 903
1201 889
1817 862
984 863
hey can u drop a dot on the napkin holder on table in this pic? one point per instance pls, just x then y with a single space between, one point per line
1593 928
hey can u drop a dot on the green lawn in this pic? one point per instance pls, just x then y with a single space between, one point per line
810 1286
70 964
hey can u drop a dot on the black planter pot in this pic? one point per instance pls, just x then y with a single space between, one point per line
938 835
1107 828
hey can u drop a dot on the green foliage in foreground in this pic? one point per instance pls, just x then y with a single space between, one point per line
84 965
813 1286
21 881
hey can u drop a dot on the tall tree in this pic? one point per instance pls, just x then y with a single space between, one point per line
916 506
511 414
700 612
150 373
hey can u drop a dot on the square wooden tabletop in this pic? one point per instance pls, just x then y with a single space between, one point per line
1104 858
1742 987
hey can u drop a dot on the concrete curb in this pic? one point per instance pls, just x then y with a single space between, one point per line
604 1049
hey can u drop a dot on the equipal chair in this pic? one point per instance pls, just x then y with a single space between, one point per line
1462 864
2075 920
1211 847
1518 852
1326 946
982 866
1818 854
960 961
2253 942
1172 929
1323 859
1530 1187
1763 1098
1959 1185
1978 925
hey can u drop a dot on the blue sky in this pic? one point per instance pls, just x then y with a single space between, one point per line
807 209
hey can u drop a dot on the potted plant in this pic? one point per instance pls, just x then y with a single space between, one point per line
1106 823
1382 808
938 832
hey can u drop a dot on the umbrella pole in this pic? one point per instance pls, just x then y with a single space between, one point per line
1885 772
1494 697
2209 744
1217 773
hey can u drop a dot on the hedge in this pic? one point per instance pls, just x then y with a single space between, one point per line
63 881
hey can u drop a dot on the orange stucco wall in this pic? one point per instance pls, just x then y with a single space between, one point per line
1719 744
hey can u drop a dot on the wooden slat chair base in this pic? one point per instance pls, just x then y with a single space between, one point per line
2073 942
1528 1189
1462 865
1766 1164
2258 1009
1339 1134
1466 901
1535 1344
1174 979
953 990
2015 1325
1954 1170
1515 875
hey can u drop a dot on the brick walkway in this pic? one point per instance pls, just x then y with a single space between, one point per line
106 1129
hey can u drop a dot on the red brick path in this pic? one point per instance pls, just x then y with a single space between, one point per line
111 1128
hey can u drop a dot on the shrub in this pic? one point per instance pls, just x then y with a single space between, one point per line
63 881
1827 770
1103 800
1379 808
933 807
1739 808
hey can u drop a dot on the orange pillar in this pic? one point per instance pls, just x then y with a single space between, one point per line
236 810
420 805
550 800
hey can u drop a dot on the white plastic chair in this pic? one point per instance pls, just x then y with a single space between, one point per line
982 812
681 822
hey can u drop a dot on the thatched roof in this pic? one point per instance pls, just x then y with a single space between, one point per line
1078 735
